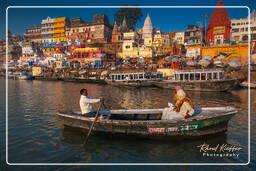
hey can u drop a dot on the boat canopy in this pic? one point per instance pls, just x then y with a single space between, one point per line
198 75
135 76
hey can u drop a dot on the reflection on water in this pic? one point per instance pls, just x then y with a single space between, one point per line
142 148
34 127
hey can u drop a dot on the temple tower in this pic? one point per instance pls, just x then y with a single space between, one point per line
147 31
219 26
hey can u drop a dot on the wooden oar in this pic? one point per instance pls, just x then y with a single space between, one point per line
90 130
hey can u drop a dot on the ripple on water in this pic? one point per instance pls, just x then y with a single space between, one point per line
34 127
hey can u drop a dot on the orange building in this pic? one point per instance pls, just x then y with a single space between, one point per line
59 31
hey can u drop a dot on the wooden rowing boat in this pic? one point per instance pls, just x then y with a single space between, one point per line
147 122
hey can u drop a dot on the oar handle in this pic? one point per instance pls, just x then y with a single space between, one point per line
90 130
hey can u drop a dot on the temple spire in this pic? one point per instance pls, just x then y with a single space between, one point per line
115 28
124 27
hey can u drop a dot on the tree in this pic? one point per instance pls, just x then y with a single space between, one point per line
132 15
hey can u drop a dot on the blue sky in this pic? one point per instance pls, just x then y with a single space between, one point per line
168 19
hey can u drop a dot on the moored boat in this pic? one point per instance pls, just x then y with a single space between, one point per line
133 79
89 80
198 80
25 76
147 122
46 78
245 84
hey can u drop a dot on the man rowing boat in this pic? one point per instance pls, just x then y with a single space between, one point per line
86 103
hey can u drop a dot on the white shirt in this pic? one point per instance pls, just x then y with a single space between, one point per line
86 103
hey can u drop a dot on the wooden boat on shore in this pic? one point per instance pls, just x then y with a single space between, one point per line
245 84
133 79
90 80
43 78
199 80
147 122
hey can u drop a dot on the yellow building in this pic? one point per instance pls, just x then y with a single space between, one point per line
235 52
59 31
161 43
130 48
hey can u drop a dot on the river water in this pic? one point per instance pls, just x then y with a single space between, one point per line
36 134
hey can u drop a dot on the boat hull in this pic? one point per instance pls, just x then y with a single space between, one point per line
144 83
187 128
206 85
84 80
46 78
248 85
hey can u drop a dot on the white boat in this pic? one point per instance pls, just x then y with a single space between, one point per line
199 80
25 76
134 79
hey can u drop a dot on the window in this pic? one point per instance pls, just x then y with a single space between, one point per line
245 38
181 77
253 36
192 76
221 75
203 76
186 76
215 76
127 47
197 76
235 30
253 28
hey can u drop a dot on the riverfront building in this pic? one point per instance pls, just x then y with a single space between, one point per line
47 30
219 27
59 29
98 31
161 43
131 50
33 34
179 37
240 29
78 31
117 35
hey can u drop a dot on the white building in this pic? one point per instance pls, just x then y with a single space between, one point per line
27 50
179 37
240 32
47 30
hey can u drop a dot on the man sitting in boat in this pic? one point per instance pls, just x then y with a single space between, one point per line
183 106
86 103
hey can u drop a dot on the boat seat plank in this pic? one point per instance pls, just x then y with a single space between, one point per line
136 111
